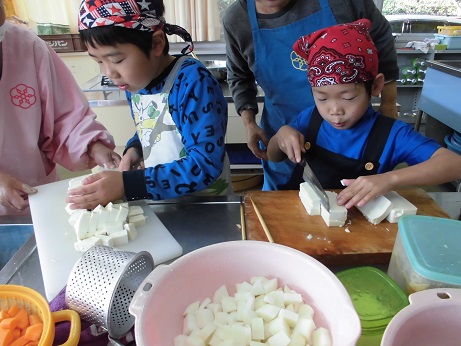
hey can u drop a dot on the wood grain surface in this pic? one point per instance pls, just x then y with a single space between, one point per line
358 242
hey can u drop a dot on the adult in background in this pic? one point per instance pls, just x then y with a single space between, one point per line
259 38
45 119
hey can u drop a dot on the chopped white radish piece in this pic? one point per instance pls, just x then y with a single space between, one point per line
376 210
400 206
135 210
220 293
279 339
257 329
86 244
309 199
132 230
275 317
321 337
337 215
138 220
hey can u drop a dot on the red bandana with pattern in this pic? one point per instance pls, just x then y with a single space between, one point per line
131 14
339 54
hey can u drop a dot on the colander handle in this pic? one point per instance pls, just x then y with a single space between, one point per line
75 326
138 302
435 295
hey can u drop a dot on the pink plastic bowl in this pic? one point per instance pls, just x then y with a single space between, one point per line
432 318
160 301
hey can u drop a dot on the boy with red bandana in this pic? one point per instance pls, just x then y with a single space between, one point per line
177 105
342 138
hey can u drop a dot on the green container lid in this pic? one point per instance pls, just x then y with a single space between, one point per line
376 297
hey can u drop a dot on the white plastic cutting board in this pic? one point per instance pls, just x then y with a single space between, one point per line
55 237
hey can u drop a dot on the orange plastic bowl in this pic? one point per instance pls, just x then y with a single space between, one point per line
34 303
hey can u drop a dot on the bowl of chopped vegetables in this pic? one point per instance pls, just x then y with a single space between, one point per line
241 291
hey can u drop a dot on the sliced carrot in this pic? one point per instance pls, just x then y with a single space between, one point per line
6 337
9 323
32 343
34 319
21 341
13 310
33 333
16 333
4 314
23 319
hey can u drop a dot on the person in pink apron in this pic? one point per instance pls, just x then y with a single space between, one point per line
45 119
346 142
177 106
259 37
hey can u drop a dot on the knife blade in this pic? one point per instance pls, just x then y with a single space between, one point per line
310 178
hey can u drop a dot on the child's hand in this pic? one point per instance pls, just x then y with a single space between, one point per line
255 134
103 156
13 193
131 160
363 189
99 188
291 142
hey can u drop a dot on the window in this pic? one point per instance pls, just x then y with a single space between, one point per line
202 18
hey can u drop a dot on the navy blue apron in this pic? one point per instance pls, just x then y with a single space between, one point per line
330 167
286 88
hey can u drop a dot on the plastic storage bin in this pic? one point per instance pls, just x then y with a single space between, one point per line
449 30
376 298
452 42
426 254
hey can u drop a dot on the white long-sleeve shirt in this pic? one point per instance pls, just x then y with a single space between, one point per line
44 116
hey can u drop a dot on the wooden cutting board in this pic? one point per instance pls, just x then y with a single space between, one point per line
55 237
358 242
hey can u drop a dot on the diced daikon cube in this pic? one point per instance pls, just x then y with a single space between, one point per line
306 311
192 308
119 238
279 339
220 293
204 317
321 337
276 326
138 220
270 285
190 324
229 304
180 340
86 244
257 329
290 317
275 298
305 327
132 231
268 312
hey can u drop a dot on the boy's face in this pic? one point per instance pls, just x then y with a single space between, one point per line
342 105
126 65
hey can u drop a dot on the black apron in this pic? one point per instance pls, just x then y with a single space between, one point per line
330 167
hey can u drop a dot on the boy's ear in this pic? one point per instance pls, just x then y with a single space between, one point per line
158 42
378 84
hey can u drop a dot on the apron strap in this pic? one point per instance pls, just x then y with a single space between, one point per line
314 126
378 138
172 75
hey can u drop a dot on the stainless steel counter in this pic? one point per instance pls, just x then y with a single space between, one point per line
194 222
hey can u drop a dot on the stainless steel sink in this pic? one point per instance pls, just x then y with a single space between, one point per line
13 237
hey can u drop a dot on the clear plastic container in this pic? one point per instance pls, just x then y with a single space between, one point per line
426 254
376 298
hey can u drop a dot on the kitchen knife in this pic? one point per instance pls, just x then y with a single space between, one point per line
310 178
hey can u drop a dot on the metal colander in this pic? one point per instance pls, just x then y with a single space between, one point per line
102 284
